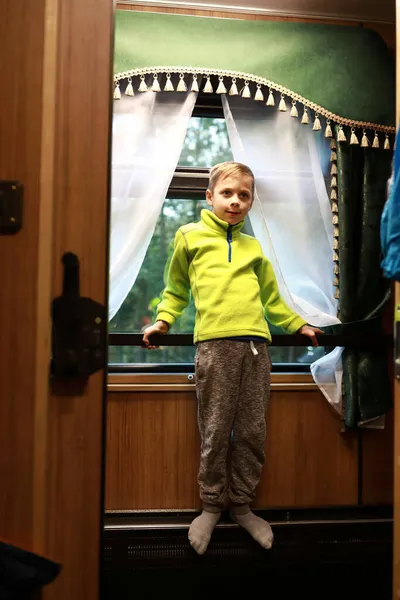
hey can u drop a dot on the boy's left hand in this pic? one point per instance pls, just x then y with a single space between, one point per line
310 332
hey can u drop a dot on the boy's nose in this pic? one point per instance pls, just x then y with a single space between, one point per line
235 200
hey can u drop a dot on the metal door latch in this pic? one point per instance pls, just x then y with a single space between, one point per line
79 329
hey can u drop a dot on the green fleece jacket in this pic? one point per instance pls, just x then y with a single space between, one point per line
233 284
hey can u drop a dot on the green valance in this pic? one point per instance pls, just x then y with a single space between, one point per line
345 74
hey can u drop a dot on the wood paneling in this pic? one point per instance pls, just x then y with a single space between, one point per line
153 450
81 196
21 49
308 461
377 464
223 14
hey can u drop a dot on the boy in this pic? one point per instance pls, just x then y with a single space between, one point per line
234 290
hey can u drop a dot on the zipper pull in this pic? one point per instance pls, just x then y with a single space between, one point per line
229 240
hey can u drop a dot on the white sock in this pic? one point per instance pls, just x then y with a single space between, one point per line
259 529
201 529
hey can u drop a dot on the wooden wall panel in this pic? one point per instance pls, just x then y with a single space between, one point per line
377 463
153 449
308 461
21 49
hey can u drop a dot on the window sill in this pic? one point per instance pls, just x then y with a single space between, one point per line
186 383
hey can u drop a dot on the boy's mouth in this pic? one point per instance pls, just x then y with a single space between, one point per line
230 212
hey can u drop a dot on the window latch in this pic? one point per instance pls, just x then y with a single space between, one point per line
78 329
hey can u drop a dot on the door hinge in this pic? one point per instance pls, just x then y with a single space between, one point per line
11 197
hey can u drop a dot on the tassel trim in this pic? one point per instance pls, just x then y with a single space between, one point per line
259 97
129 88
294 112
233 91
182 87
221 89
246 90
117 91
347 126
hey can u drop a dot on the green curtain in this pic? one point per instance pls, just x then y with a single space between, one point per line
362 179
347 70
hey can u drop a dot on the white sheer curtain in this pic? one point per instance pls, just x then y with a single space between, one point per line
148 133
291 216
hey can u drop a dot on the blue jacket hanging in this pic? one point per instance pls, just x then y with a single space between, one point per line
390 221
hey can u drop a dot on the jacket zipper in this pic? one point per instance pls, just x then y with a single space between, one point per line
229 239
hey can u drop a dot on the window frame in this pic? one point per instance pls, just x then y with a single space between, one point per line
190 183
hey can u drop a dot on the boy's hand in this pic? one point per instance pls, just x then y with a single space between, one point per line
159 327
310 332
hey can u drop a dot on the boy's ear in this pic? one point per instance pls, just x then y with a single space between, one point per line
209 197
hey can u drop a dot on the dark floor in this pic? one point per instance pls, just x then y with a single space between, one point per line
342 554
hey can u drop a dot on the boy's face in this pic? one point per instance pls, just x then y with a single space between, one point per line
231 198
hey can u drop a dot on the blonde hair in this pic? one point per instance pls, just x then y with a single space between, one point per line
229 169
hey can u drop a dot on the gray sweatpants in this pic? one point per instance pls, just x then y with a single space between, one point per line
233 386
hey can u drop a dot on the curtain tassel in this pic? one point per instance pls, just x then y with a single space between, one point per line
335 243
375 143
333 169
221 89
333 144
143 86
337 294
336 281
304 118
386 145
294 112
271 99
208 87
353 138
335 220
168 85
181 87
117 92
333 156
129 88
195 85
328 129
335 257
341 135
333 194
364 140
233 91
335 208
317 124
246 90
156 84
259 96
334 181
282 104
336 269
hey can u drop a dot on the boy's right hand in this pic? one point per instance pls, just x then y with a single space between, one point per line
159 327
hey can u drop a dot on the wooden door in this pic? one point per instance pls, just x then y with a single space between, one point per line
55 106
396 539
396 461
